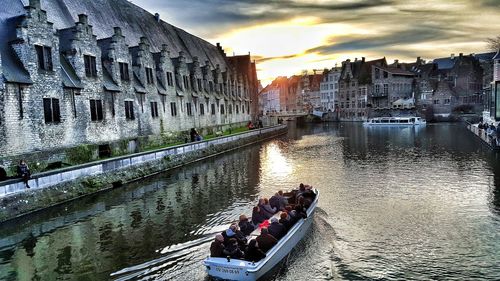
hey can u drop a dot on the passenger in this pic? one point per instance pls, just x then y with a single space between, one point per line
266 241
276 229
253 252
217 247
245 226
257 216
23 171
234 232
285 220
266 209
232 250
300 208
278 201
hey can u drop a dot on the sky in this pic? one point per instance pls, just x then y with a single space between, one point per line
286 37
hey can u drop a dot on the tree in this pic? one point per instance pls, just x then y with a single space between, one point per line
494 43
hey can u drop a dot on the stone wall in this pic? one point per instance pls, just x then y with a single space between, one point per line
57 187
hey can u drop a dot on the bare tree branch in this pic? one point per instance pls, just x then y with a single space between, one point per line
494 43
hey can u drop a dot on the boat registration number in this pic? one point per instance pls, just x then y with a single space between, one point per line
227 270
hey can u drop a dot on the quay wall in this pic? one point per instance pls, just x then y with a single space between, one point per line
56 187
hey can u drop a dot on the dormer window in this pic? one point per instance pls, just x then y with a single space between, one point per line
186 82
44 55
170 80
124 71
90 66
199 84
149 75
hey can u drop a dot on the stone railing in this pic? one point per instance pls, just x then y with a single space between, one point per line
481 133
47 179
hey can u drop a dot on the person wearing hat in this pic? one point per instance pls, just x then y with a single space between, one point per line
217 247
276 229
245 226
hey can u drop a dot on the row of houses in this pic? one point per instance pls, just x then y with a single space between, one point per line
61 85
362 88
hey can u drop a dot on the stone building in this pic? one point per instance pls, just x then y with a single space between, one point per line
329 89
85 72
391 87
355 86
310 91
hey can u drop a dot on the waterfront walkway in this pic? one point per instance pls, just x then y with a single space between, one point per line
481 133
51 178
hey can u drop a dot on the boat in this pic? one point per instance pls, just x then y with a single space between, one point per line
241 270
396 121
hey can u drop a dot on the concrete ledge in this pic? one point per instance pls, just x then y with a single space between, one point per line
55 187
482 135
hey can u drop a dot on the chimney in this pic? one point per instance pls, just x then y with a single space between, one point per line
164 47
35 4
461 54
143 40
419 60
157 17
117 30
452 56
82 18
355 59
363 59
396 61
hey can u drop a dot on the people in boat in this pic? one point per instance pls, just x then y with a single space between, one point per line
232 249
276 229
257 216
217 247
266 241
245 226
278 201
266 209
234 232
285 220
300 207
253 252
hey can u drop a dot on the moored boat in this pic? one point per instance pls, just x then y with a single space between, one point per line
242 270
396 121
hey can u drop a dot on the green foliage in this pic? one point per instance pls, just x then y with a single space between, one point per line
80 154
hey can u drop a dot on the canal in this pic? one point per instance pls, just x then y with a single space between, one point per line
396 204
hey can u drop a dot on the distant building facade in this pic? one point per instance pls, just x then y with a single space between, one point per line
329 89
62 85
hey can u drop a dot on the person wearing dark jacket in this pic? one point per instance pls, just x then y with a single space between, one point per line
232 250
245 226
266 241
234 232
266 209
23 172
285 220
276 229
217 247
253 252
257 216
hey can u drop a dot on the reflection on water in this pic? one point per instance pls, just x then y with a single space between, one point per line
396 203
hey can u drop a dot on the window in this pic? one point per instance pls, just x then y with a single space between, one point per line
202 109
51 110
377 89
186 82
189 109
96 110
170 79
447 101
221 88
230 109
242 109
163 101
222 111
149 75
129 110
386 74
436 101
44 55
377 73
90 66
386 89
199 84
211 86
112 103
237 109
173 109
154 109
213 109
124 71
140 97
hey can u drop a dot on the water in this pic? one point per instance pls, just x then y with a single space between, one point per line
396 204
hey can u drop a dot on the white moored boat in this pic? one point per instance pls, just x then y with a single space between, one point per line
396 121
234 269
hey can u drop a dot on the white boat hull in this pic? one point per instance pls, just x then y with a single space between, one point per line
247 271
395 122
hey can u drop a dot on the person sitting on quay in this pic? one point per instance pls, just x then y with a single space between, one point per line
217 247
285 221
245 226
257 216
266 209
253 252
23 172
276 229
250 125
266 241
232 249
234 232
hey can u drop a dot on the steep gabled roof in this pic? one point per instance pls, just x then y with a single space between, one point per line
13 69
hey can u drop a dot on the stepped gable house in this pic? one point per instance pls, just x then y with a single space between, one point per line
97 72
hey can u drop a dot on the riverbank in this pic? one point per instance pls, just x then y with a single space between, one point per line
63 185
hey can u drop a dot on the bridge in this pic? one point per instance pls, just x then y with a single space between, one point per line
287 114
